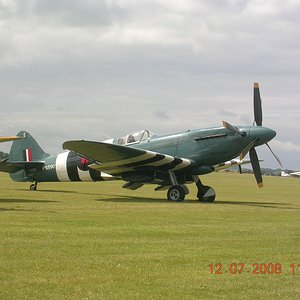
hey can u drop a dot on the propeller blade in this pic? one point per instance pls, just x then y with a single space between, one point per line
256 167
232 128
257 105
276 157
247 149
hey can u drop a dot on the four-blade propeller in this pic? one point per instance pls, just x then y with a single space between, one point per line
258 119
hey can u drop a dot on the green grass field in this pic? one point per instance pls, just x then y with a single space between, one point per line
99 241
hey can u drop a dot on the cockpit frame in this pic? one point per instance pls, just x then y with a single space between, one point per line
134 138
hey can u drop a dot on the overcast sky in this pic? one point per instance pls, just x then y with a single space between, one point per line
99 69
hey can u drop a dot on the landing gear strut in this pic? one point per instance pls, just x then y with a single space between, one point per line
205 193
33 186
176 192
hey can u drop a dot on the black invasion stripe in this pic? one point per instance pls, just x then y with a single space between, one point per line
145 165
164 167
170 165
95 175
156 158
115 174
72 162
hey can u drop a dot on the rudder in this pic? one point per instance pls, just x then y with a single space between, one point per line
26 153
26 149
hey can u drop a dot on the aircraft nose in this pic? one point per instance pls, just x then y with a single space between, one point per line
262 134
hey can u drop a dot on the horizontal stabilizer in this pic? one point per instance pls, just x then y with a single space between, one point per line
15 166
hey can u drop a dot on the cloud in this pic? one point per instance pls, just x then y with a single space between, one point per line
50 30
285 146
74 68
161 114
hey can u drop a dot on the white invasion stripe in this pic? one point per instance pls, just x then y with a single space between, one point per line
61 166
121 169
84 175
113 164
230 163
106 176
130 160
166 160
185 163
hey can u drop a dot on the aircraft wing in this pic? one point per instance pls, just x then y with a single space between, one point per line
230 163
295 174
116 159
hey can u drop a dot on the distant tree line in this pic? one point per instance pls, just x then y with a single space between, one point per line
264 171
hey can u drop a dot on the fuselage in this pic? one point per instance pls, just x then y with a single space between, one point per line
64 167
203 147
209 146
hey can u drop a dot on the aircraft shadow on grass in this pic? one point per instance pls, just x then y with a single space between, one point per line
22 201
124 199
260 204
134 199
26 201
68 192
51 191
2 209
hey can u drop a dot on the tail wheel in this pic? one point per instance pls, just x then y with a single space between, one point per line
176 193
33 187
207 194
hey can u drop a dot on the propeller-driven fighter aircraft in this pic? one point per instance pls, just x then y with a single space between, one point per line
169 161
293 174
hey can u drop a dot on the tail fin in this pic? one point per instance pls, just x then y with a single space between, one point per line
25 155
26 149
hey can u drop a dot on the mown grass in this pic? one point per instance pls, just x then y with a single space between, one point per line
98 241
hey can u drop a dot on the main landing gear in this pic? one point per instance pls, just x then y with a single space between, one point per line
177 191
33 186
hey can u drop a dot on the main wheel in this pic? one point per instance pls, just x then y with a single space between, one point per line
207 194
176 193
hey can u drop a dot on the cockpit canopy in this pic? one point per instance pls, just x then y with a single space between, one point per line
132 138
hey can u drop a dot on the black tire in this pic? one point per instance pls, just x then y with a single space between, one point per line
207 194
33 187
176 193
